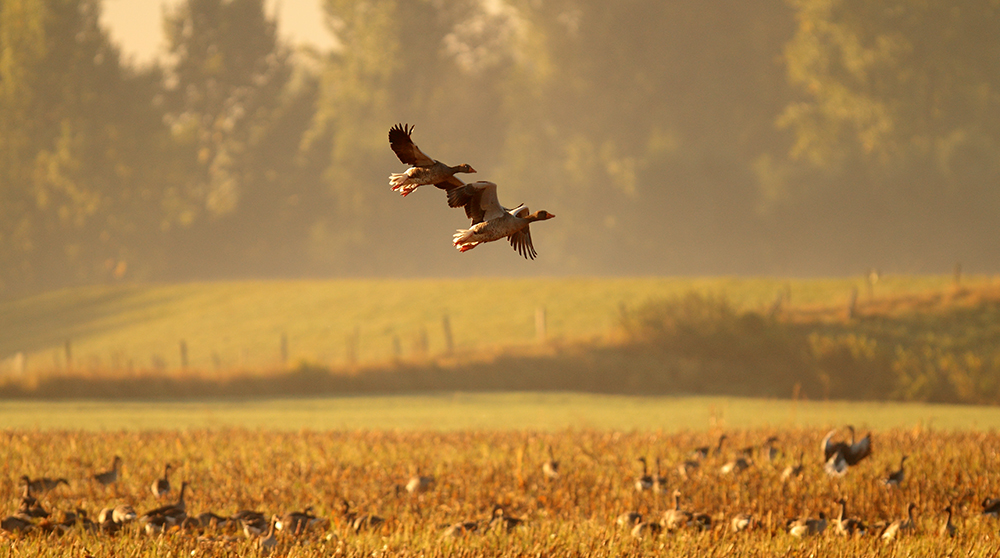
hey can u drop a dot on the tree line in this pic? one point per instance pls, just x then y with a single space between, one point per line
767 137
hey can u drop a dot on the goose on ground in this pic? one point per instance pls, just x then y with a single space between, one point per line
659 481
852 452
947 528
770 452
298 522
551 467
491 221
991 507
161 487
676 518
172 513
504 522
358 522
460 529
805 527
43 484
419 484
110 476
423 169
836 466
686 467
703 451
847 526
29 506
645 529
741 522
644 481
628 519
16 524
897 477
900 526
735 466
267 542
794 470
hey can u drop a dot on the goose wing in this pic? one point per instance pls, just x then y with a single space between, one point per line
405 149
521 241
859 450
479 200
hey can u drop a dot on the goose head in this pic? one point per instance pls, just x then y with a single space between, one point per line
540 215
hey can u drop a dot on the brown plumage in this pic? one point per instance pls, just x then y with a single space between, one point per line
111 476
492 221
423 169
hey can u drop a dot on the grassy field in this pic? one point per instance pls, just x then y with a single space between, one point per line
492 411
274 472
240 325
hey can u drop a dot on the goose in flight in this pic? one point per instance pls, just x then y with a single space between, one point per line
423 169
492 221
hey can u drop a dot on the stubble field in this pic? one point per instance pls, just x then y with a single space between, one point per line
275 472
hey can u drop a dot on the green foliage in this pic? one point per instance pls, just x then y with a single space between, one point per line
945 355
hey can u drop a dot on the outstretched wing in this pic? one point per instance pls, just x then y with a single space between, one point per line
479 200
521 241
405 149
859 450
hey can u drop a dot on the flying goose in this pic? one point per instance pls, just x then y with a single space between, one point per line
111 476
645 481
161 487
423 169
43 484
896 477
900 526
491 221
551 467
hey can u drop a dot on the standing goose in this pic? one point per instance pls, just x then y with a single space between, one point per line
111 476
900 526
805 527
172 513
643 482
847 526
947 528
161 487
491 221
551 467
423 169
358 522
659 481
43 484
741 522
419 484
676 518
794 470
504 522
991 507
896 477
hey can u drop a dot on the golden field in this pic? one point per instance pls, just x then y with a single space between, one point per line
574 515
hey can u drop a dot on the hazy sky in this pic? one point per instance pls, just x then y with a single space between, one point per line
137 24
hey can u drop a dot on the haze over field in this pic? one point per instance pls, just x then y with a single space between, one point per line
765 137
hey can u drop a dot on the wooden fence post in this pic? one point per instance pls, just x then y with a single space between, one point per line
449 342
540 324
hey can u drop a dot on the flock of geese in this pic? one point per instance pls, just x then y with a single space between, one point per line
32 517
490 220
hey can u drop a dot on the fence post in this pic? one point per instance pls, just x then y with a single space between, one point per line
540 324
284 348
449 342
184 354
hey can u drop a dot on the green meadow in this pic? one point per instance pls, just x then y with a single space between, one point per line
492 411
262 325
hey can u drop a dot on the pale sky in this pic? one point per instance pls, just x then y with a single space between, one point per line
137 24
